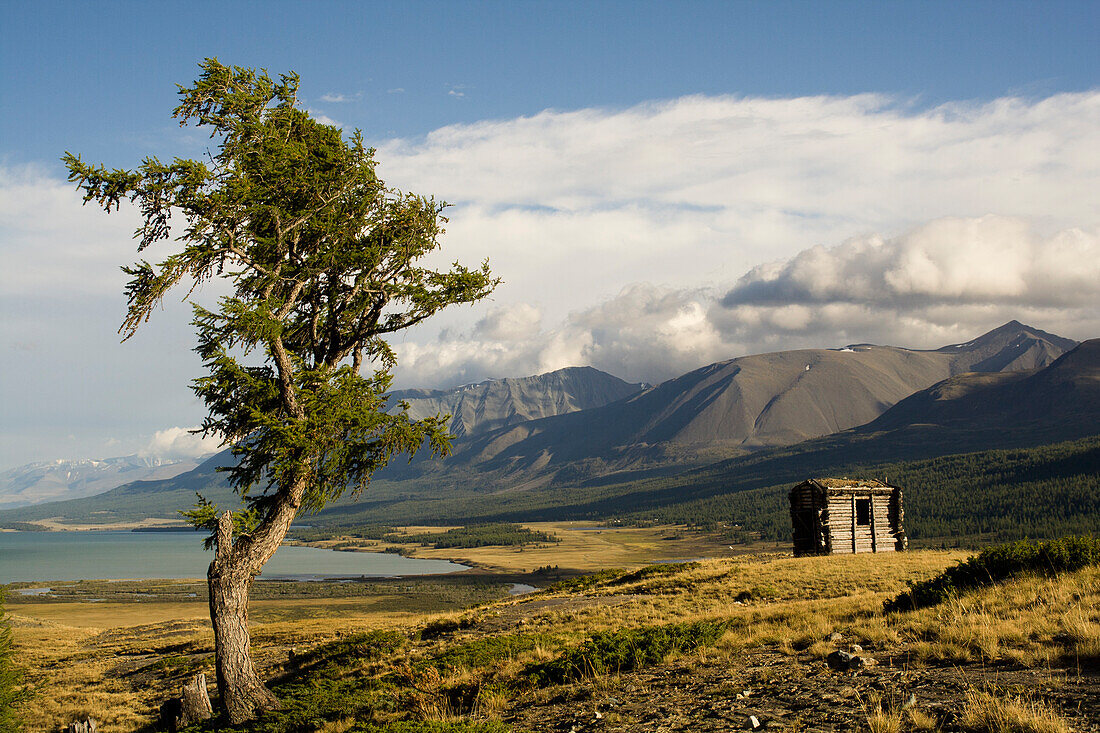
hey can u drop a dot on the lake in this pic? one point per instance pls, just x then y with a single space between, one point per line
115 555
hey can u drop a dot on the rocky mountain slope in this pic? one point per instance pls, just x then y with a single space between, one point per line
751 402
763 404
479 408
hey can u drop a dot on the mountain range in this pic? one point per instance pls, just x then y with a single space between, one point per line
731 407
496 403
750 421
44 481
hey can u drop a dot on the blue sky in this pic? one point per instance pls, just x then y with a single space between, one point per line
97 77
910 173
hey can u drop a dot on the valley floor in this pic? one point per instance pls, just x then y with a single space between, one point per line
718 644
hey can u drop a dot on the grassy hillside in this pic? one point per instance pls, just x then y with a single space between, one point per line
699 646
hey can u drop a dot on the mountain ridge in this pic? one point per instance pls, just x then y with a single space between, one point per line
747 403
658 431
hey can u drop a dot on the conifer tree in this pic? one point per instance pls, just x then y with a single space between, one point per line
323 261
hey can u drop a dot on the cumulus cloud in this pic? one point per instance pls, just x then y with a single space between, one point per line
570 206
983 261
882 221
644 333
178 443
945 281
509 323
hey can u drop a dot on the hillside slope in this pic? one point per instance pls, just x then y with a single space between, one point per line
751 402
974 414
567 464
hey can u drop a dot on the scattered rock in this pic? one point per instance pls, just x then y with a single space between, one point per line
88 725
838 660
752 723
836 637
855 649
842 661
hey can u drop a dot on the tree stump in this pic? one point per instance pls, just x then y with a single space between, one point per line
196 703
191 707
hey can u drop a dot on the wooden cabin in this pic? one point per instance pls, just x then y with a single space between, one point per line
833 516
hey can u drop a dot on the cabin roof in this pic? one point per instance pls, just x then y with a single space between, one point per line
849 483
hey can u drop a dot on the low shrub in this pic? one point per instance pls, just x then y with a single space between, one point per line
622 651
587 582
659 570
1000 563
486 651
356 648
12 688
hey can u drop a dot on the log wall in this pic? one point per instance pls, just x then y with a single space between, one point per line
874 537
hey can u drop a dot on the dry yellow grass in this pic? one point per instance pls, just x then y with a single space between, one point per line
584 546
998 713
790 604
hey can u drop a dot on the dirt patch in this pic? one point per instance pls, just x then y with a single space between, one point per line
781 692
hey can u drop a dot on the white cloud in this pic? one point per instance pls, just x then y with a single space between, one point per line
510 323
883 222
946 281
571 206
988 260
334 98
179 443
50 242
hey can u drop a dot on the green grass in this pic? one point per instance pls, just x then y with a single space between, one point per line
626 650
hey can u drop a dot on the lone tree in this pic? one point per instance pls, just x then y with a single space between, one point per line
323 261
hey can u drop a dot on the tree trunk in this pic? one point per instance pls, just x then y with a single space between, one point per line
243 693
229 578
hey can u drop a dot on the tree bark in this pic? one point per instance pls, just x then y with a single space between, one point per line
243 694
229 579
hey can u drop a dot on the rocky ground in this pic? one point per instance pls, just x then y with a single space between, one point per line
769 690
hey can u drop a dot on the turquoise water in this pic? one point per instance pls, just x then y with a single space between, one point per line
111 555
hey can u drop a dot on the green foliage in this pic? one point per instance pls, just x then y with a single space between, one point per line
998 563
660 570
12 688
587 582
367 646
478 535
622 651
322 260
485 652
205 516
1043 491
